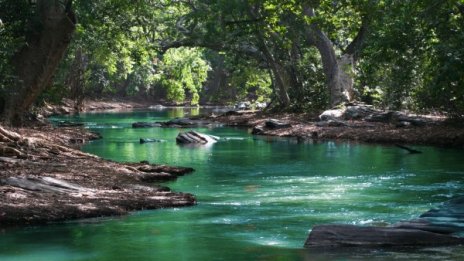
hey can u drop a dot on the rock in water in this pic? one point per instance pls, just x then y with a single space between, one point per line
147 140
193 137
350 235
435 227
145 125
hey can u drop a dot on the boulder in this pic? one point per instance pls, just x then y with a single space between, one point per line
145 125
193 137
242 105
276 124
351 235
332 114
257 130
357 112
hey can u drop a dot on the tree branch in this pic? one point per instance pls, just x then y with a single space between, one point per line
354 48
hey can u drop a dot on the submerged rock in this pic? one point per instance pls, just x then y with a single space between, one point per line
148 140
69 124
434 227
145 125
351 235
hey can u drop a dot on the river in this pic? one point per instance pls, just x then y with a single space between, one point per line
257 197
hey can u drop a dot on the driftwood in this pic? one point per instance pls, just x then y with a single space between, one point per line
7 136
45 184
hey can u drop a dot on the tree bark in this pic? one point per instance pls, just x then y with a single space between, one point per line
75 80
35 64
336 70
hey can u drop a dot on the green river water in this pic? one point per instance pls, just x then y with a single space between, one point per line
257 197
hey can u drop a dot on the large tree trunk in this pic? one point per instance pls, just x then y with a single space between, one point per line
337 70
36 62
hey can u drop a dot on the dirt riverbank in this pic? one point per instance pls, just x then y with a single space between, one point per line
45 178
436 132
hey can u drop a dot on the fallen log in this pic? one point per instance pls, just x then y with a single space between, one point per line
44 184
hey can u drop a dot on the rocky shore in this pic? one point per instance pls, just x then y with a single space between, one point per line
45 178
372 127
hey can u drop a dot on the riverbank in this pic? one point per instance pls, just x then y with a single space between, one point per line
435 131
66 106
45 178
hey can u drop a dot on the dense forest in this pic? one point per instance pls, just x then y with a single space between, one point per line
296 55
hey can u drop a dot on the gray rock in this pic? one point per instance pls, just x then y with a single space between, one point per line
403 124
276 124
358 112
350 235
193 137
257 130
331 123
148 140
145 125
185 123
156 177
434 227
332 114
69 124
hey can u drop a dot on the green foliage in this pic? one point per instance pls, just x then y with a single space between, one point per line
412 57
416 57
183 71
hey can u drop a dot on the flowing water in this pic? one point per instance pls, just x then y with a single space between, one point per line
257 197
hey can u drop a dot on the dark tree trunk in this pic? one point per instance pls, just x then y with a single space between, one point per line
280 76
340 83
35 64
76 81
